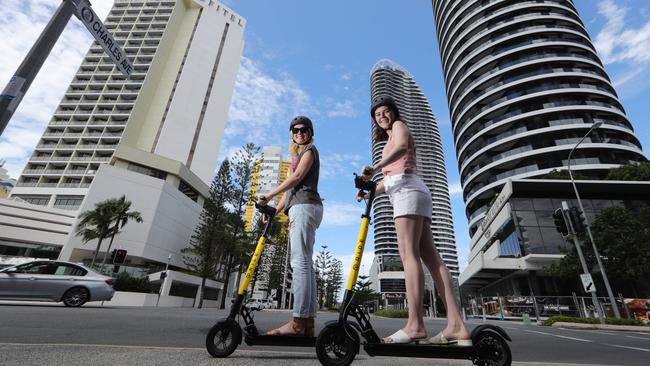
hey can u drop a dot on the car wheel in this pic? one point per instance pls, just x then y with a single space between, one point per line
75 297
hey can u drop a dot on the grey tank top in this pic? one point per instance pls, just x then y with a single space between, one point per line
307 190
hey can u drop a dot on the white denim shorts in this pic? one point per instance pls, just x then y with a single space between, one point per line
409 195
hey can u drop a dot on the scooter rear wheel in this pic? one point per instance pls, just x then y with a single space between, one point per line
223 338
491 350
334 347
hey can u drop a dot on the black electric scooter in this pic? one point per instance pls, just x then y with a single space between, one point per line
339 341
224 337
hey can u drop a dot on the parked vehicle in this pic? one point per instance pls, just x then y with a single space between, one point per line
258 304
56 281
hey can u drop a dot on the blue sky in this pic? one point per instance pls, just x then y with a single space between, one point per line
314 58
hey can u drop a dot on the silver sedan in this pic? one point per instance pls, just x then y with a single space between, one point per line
55 281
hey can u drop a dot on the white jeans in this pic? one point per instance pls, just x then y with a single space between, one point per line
304 219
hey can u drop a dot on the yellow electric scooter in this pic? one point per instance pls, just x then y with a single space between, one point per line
339 341
224 337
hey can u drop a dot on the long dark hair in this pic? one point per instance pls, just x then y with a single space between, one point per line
378 133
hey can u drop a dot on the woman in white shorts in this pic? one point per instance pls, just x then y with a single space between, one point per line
412 209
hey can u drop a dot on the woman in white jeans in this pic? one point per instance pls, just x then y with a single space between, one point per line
412 210
305 211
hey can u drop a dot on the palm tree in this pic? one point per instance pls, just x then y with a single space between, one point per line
94 224
119 208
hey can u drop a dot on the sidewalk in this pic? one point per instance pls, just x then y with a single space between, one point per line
629 328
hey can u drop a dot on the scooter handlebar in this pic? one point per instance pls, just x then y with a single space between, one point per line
266 209
363 184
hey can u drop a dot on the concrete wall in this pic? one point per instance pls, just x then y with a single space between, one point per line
169 217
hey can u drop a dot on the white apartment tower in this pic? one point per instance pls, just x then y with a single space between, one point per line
154 137
269 172
389 78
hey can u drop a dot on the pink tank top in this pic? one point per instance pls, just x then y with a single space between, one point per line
405 164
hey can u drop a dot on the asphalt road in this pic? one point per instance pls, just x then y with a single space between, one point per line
39 334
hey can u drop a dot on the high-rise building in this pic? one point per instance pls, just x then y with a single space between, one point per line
389 78
6 182
524 84
153 137
268 173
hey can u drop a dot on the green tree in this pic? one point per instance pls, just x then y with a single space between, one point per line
242 167
207 243
363 293
334 283
94 224
324 261
121 215
622 238
635 172
278 261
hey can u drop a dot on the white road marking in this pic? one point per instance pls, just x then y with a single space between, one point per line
628 347
559 336
644 338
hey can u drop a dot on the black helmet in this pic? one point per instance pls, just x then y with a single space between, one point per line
384 100
302 120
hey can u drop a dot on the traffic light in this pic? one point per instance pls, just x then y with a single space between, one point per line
120 256
560 224
163 274
578 219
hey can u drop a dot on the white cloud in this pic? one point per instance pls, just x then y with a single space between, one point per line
35 110
455 188
338 165
341 214
615 43
366 262
343 109
262 107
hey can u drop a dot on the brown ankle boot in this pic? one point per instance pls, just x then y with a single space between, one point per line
309 327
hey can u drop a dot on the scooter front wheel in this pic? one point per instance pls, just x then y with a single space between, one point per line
223 338
491 350
334 347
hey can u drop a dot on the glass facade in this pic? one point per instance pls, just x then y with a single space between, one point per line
534 225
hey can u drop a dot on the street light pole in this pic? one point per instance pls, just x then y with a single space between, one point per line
583 263
610 294
26 72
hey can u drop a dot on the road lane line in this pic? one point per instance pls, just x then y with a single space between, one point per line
644 338
559 336
628 347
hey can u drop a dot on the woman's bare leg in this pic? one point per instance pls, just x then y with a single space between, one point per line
409 229
456 328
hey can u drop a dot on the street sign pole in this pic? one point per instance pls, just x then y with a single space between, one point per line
585 270
24 76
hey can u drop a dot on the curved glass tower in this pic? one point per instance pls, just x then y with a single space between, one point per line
389 78
524 84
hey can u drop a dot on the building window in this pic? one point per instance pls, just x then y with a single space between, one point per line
68 202
147 171
39 200
188 191
32 250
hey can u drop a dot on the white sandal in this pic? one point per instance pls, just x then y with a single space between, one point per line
440 340
400 337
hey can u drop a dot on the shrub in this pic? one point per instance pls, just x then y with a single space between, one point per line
570 319
624 321
128 283
393 313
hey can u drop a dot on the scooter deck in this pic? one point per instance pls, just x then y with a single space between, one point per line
289 341
419 350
